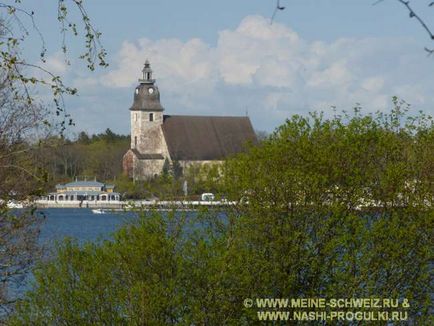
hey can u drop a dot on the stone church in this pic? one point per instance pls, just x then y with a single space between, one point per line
189 140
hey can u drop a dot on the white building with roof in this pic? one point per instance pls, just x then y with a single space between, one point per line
83 192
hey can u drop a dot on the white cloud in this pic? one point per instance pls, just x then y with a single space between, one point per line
336 75
268 70
56 63
253 45
373 84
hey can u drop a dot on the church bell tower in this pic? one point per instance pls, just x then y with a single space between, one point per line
146 115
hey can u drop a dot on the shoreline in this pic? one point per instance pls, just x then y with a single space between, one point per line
129 205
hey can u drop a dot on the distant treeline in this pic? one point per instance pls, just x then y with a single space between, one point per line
100 156
94 156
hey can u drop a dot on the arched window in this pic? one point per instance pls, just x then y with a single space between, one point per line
151 117
135 141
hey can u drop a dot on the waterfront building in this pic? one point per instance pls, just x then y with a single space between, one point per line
156 138
83 191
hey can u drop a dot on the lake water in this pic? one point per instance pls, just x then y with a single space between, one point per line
80 223
83 225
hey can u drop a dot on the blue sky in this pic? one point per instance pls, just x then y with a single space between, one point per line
224 58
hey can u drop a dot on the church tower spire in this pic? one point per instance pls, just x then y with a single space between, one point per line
147 74
146 94
146 115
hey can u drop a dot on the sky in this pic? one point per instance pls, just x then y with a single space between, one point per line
225 58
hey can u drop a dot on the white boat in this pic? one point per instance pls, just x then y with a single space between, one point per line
14 204
98 211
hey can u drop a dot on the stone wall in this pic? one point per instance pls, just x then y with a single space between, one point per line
128 163
145 169
146 135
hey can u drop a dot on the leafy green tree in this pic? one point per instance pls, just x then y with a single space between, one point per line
261 135
104 158
337 208
130 189
334 208
166 167
109 136
23 124
177 170
131 280
83 138
22 177
203 178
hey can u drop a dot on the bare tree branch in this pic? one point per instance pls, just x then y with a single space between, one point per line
413 14
17 24
276 9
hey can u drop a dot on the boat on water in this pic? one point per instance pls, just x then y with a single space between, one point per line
14 204
98 211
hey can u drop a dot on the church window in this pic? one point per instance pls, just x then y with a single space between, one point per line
137 91
135 141
151 117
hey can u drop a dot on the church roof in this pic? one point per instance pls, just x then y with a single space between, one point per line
146 94
202 138
144 100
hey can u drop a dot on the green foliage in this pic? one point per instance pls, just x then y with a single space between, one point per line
163 187
131 280
97 156
83 138
166 168
19 249
24 162
176 169
203 178
129 189
338 207
333 208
